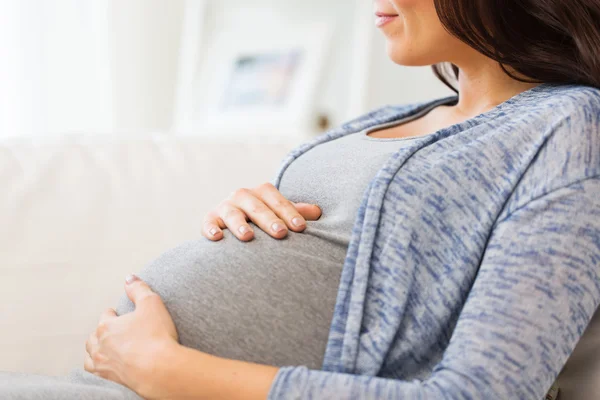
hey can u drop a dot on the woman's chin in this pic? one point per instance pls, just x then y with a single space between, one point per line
410 56
408 60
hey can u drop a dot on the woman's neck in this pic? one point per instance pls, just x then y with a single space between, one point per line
483 85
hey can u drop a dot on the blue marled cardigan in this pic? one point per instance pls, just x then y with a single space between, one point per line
474 262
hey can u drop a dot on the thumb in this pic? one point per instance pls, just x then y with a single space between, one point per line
136 289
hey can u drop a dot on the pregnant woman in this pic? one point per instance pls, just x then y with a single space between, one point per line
448 249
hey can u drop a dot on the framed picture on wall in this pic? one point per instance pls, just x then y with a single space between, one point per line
263 83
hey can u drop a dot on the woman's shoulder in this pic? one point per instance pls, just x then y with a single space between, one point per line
571 124
565 149
571 117
568 101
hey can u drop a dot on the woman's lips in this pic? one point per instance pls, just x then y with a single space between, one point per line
382 19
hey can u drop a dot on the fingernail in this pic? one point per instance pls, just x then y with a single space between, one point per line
297 221
131 278
214 231
243 229
277 227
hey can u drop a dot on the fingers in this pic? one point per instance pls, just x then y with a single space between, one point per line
107 315
311 212
136 289
91 344
265 206
88 344
88 364
260 213
212 225
235 218
281 207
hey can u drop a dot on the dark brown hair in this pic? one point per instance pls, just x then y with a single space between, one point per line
552 41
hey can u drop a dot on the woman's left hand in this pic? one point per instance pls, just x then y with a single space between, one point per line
127 349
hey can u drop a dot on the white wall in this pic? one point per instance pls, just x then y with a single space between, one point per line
88 65
54 73
145 42
112 65
274 17
390 83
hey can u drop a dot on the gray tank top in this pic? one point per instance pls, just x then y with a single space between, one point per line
334 175
271 301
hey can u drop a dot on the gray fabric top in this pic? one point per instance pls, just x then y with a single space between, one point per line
271 301
335 175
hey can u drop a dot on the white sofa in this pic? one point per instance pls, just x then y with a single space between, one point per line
78 212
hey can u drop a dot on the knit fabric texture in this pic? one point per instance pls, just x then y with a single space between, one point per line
473 266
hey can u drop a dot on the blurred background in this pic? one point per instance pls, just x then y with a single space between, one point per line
146 65
123 122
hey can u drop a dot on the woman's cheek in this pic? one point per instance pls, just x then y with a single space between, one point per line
402 5
406 46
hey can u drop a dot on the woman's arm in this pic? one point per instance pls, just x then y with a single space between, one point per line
191 374
536 290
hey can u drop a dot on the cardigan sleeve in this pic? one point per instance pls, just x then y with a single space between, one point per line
536 290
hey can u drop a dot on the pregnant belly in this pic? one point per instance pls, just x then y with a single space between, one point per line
267 301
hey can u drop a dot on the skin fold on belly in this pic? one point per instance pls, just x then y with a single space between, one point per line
268 301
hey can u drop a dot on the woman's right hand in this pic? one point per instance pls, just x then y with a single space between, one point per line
265 206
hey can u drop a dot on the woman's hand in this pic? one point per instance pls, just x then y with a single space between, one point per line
263 205
127 349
